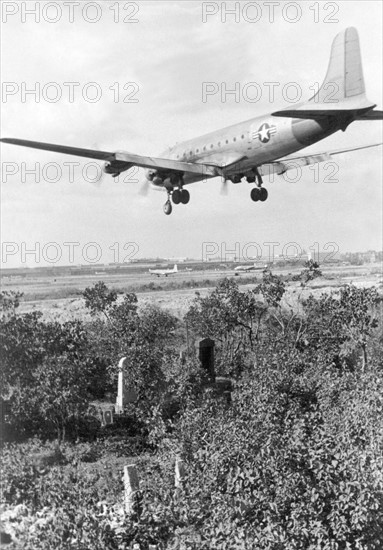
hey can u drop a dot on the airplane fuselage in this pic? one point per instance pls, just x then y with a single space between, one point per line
251 143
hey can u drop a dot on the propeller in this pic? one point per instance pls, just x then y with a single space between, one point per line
144 189
97 182
225 187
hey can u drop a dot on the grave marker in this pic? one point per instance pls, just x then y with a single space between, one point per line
206 356
131 485
179 472
124 395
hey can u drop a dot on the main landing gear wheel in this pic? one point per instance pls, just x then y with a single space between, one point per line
259 194
176 196
263 194
255 194
185 196
168 207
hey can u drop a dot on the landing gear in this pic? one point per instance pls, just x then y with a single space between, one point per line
168 207
263 194
255 194
185 196
180 196
176 196
259 193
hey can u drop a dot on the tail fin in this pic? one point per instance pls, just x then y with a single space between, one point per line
175 268
342 90
344 78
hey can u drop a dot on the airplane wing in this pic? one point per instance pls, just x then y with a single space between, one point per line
281 166
122 158
125 160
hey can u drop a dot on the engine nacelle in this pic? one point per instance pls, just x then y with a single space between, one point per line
236 178
157 180
113 168
150 174
153 176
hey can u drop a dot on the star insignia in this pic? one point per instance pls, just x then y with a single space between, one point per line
264 133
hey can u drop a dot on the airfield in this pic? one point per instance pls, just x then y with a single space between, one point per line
57 292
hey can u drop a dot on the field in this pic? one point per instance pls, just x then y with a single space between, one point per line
59 296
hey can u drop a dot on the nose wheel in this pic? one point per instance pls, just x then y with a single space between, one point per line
168 207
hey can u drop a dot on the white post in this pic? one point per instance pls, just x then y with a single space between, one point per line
120 401
131 485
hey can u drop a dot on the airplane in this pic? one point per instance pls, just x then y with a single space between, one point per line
258 147
164 272
249 267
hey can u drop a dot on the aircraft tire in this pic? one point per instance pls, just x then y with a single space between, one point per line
185 196
168 208
263 194
176 196
255 194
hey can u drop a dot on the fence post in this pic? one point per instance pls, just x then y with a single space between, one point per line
131 486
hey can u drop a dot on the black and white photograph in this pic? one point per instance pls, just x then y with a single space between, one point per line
191 302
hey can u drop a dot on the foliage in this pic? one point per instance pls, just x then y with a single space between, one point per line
98 298
229 316
341 324
9 302
295 462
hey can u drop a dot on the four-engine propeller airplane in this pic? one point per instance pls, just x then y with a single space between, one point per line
164 272
259 146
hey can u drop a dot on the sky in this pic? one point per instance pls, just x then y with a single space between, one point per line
139 69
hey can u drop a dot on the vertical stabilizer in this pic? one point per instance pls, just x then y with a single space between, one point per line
342 93
344 82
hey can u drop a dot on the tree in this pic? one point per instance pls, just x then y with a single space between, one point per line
343 322
29 347
99 299
9 302
231 317
61 391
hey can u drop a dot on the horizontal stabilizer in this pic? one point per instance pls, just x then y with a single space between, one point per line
371 115
317 114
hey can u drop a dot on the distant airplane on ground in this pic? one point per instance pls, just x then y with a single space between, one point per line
164 272
250 267
259 146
